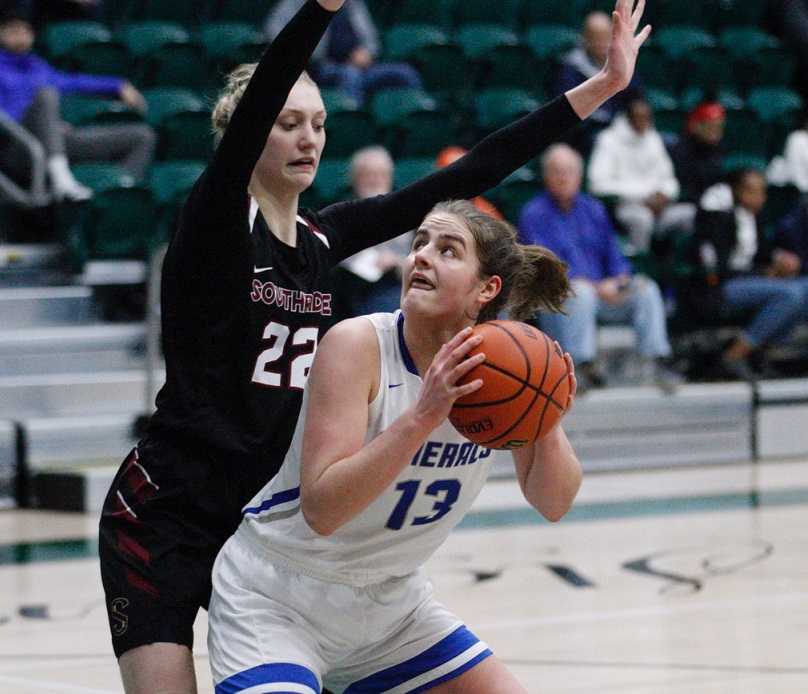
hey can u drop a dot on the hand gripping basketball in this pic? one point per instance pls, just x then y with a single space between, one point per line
528 385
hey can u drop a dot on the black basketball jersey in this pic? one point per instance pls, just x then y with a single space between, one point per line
242 312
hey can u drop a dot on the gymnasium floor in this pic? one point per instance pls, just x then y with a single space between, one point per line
670 582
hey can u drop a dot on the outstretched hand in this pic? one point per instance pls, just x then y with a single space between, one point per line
331 5
626 42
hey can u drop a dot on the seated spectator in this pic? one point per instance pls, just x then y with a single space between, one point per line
790 243
698 157
584 62
739 273
576 227
630 163
346 57
792 167
30 91
375 282
449 155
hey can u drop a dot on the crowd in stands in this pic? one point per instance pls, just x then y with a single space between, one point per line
658 205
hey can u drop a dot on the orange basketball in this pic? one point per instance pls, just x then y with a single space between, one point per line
525 387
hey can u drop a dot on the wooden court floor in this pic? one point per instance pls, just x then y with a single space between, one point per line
670 582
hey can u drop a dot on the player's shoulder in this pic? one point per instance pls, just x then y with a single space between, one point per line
351 336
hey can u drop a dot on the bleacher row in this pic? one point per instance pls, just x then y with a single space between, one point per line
483 64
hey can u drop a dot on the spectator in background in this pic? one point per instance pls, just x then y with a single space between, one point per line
346 57
792 167
630 162
375 282
740 274
698 157
449 155
576 227
586 61
790 243
30 91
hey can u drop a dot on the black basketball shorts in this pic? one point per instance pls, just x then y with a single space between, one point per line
157 545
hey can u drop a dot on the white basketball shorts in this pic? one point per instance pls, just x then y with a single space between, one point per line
275 629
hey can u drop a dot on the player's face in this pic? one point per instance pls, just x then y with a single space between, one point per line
292 153
440 276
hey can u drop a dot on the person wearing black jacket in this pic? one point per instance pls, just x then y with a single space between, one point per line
246 298
739 273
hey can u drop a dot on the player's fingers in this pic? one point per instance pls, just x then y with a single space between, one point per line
643 35
638 13
466 365
468 388
458 338
459 352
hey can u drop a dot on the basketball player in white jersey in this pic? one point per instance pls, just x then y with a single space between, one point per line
322 583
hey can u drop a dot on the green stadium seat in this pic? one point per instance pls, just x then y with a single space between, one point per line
389 106
409 170
678 42
170 182
332 183
479 39
119 11
404 41
102 175
120 224
514 67
504 12
165 101
176 65
514 192
549 41
444 71
669 116
144 38
229 44
569 13
60 38
336 100
743 160
742 42
348 131
498 107
661 100
774 103
709 67
101 58
87 110
185 135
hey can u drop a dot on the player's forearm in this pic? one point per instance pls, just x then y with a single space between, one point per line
348 486
589 96
554 477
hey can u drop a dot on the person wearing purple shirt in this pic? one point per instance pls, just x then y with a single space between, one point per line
577 228
30 91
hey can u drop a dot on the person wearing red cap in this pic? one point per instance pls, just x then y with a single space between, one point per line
698 157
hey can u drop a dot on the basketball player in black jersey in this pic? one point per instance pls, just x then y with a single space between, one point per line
245 300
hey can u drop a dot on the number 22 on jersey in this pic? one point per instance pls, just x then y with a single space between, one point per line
273 368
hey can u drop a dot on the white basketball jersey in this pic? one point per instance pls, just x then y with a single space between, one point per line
399 531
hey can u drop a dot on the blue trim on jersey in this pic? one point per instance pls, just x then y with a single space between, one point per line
405 353
460 640
274 500
271 673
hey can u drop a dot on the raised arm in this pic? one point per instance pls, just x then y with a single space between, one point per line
368 222
341 475
616 74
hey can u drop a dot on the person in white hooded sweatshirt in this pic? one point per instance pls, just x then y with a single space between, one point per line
630 162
